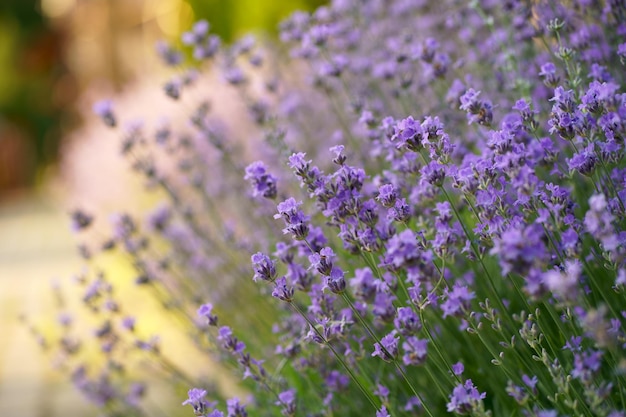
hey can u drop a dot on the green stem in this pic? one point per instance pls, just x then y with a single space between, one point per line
365 392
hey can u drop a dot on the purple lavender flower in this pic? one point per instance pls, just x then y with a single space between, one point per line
207 48
282 290
408 133
382 392
412 403
478 111
621 52
235 408
295 220
457 301
299 276
383 308
168 54
136 392
263 183
128 323
387 349
322 262
414 351
549 75
197 401
574 344
598 97
427 49
402 250
159 218
434 173
197 34
547 413
387 195
465 398
264 267
520 247
458 368
206 310
400 211
519 394
565 284
407 322
80 220
531 382
299 164
527 114
287 400
383 412
440 65
336 281
586 365
363 284
599 222
230 342
584 161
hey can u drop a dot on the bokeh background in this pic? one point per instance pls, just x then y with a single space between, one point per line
56 58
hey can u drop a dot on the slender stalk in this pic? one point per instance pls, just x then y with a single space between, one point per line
365 392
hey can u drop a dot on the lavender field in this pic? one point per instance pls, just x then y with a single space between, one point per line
402 207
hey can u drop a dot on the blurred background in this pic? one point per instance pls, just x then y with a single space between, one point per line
57 57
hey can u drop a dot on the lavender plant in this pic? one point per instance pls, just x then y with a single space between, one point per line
424 217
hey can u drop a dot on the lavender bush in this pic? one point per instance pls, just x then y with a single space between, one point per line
424 217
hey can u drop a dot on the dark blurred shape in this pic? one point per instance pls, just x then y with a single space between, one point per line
35 89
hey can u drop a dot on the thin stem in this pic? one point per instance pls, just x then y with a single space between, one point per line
337 356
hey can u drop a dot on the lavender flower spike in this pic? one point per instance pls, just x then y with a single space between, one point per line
197 401
263 183
264 267
295 220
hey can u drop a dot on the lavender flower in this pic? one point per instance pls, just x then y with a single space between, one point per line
565 284
287 401
465 398
387 195
235 408
387 349
408 134
414 351
402 250
420 220
80 220
407 322
263 183
197 401
282 290
478 111
295 220
206 311
264 267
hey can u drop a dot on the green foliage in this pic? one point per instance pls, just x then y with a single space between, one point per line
232 18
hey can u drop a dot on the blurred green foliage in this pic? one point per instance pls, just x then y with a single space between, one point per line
233 18
30 65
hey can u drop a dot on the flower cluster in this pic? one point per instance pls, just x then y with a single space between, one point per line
436 223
